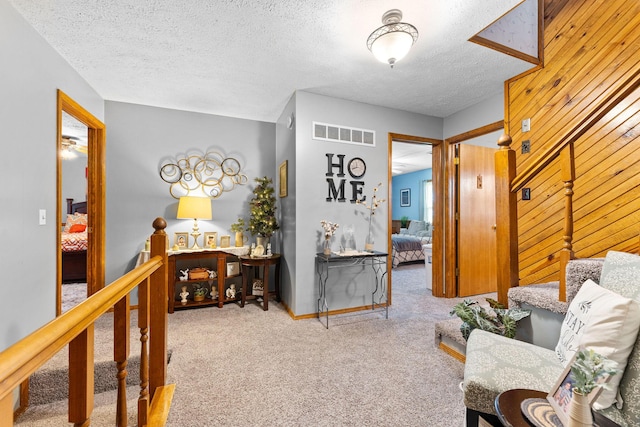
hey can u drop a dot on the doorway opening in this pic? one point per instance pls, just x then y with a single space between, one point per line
93 205
469 215
415 194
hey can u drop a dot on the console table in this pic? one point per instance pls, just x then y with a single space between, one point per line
249 263
377 261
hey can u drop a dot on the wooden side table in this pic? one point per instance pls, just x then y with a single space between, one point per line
263 263
508 408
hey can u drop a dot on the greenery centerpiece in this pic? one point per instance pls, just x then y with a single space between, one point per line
590 371
589 368
499 320
262 219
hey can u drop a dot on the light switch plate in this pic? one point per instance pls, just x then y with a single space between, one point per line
42 217
526 125
526 146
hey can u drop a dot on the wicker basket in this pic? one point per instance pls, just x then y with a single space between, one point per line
198 274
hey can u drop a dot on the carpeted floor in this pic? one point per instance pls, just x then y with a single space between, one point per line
73 294
246 367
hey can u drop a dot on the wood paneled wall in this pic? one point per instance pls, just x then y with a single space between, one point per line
590 57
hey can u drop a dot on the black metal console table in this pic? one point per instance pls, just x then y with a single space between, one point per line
377 261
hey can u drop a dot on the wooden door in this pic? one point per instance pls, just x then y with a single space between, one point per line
477 271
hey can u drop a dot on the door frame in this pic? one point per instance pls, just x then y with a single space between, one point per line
96 177
437 154
451 200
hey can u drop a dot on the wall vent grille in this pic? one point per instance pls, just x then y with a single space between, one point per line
345 134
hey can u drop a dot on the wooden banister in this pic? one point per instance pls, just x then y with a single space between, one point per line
75 327
576 128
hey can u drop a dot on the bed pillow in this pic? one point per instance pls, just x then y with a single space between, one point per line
606 322
415 226
76 218
77 228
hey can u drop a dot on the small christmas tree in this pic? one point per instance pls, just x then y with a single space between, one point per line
262 219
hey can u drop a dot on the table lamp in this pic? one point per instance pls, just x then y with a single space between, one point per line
196 208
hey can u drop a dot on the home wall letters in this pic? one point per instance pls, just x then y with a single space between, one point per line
336 186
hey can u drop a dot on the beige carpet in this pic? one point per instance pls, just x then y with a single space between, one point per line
246 367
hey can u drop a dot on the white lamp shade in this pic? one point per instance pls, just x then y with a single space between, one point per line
194 207
392 47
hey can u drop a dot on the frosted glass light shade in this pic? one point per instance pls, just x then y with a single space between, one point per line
391 42
392 47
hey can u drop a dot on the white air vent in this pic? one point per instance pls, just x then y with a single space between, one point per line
336 133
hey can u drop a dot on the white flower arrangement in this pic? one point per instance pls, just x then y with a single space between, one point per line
375 203
329 228
588 368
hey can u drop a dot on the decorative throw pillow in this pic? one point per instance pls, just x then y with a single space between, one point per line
604 321
76 218
77 228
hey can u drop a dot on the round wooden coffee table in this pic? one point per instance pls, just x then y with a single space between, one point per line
508 408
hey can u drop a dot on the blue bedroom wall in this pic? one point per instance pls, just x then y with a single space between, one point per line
412 182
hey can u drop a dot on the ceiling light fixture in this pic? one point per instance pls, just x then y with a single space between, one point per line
391 42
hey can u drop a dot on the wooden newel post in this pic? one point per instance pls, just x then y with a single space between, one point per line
506 219
158 306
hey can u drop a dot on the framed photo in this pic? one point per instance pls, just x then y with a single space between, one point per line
283 179
181 240
210 239
405 197
562 392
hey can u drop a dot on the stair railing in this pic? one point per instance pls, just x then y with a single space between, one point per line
76 328
508 184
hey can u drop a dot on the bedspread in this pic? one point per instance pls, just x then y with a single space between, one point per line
74 242
406 243
407 248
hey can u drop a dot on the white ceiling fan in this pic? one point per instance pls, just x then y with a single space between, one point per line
70 144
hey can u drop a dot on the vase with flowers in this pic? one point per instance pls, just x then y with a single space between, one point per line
372 206
588 370
329 230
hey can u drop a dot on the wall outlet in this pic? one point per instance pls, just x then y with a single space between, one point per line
526 146
526 194
526 125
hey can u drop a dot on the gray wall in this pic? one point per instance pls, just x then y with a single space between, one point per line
29 77
140 139
74 181
311 166
286 150
483 113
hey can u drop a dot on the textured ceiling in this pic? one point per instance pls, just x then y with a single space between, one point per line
245 58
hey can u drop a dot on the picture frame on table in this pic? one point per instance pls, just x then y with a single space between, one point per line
561 393
405 197
211 239
181 240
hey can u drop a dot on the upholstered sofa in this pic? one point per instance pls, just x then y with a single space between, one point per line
495 364
420 229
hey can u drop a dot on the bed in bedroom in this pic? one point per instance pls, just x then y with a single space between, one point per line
74 241
407 245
